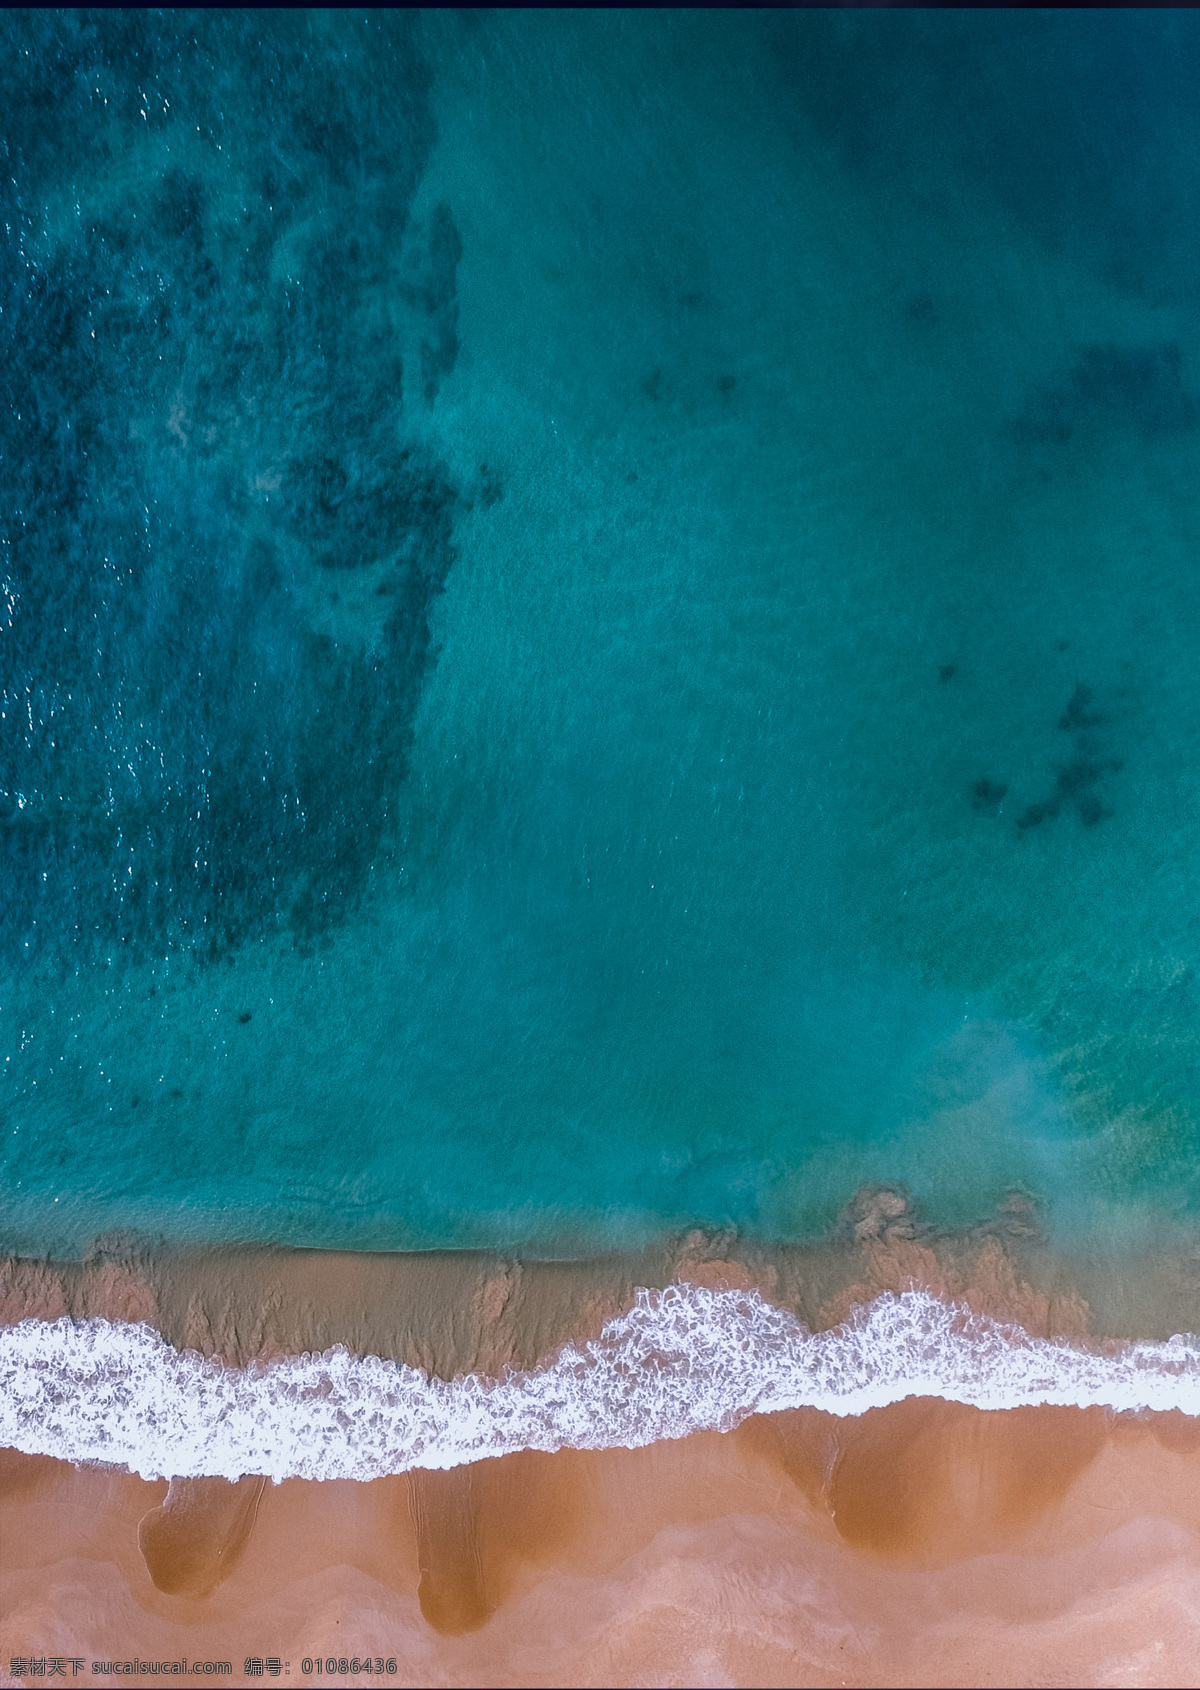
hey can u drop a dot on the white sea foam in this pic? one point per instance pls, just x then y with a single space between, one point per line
681 1360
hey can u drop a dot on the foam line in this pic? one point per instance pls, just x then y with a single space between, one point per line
682 1360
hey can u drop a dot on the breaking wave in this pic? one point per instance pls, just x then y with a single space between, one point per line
682 1360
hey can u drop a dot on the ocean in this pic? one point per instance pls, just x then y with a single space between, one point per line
598 641
721 735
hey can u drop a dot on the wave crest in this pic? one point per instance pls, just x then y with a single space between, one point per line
681 1360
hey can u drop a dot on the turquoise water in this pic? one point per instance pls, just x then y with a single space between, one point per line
600 622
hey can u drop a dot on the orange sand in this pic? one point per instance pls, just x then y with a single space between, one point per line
455 1311
922 1544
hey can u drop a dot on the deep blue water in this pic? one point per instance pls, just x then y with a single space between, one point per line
599 622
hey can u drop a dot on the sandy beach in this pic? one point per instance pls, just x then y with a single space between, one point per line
922 1543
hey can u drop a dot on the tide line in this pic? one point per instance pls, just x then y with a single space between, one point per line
681 1360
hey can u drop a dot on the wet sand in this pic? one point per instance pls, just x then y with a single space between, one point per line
450 1312
923 1543
920 1544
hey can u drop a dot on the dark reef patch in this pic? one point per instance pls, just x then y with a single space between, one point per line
201 408
1141 388
1079 123
987 795
1076 779
430 287
1074 782
920 310
1080 713
439 348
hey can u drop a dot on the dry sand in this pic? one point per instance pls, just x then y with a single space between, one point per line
925 1543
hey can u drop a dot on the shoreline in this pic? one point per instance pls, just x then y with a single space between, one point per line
225 1365
453 1312
796 1546
903 1547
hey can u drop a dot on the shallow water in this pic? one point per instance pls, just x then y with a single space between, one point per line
598 625
601 625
